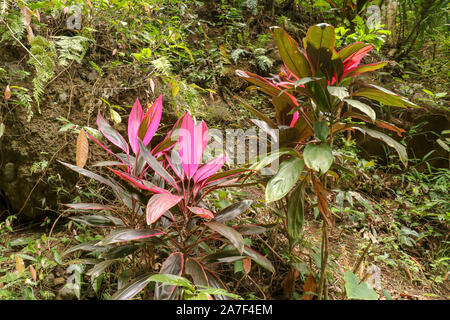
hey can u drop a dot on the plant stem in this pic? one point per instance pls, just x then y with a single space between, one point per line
324 260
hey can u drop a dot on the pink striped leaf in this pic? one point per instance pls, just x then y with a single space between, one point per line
159 204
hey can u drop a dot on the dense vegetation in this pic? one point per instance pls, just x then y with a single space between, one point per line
243 149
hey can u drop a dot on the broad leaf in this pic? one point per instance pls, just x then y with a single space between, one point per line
322 201
285 179
292 57
99 268
318 157
159 204
321 130
357 290
229 233
295 213
117 252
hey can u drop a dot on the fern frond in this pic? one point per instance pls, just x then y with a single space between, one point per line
162 65
71 49
44 51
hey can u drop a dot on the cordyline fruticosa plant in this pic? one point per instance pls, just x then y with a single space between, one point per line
316 96
167 215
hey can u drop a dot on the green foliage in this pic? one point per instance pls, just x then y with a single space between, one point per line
44 53
71 48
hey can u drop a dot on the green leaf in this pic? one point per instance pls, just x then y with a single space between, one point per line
384 96
319 43
292 57
401 150
285 179
318 157
321 130
363 108
171 279
356 290
295 213
173 265
271 157
235 237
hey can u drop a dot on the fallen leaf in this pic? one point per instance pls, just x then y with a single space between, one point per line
247 264
322 203
82 149
309 288
33 273
20 265
288 283
7 93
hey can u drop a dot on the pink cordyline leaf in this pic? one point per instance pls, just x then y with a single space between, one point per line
208 169
105 148
193 141
294 119
201 212
151 121
138 183
111 134
159 204
354 60
134 122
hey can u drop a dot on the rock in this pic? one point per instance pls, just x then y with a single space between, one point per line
59 281
49 280
9 172
66 293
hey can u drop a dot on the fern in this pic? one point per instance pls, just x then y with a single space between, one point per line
23 99
162 65
71 49
237 53
16 25
45 53
262 61
4 6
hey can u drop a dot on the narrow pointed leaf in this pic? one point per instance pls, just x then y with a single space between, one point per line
155 165
229 233
132 288
124 235
232 211
98 221
172 265
202 212
111 134
401 150
363 108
